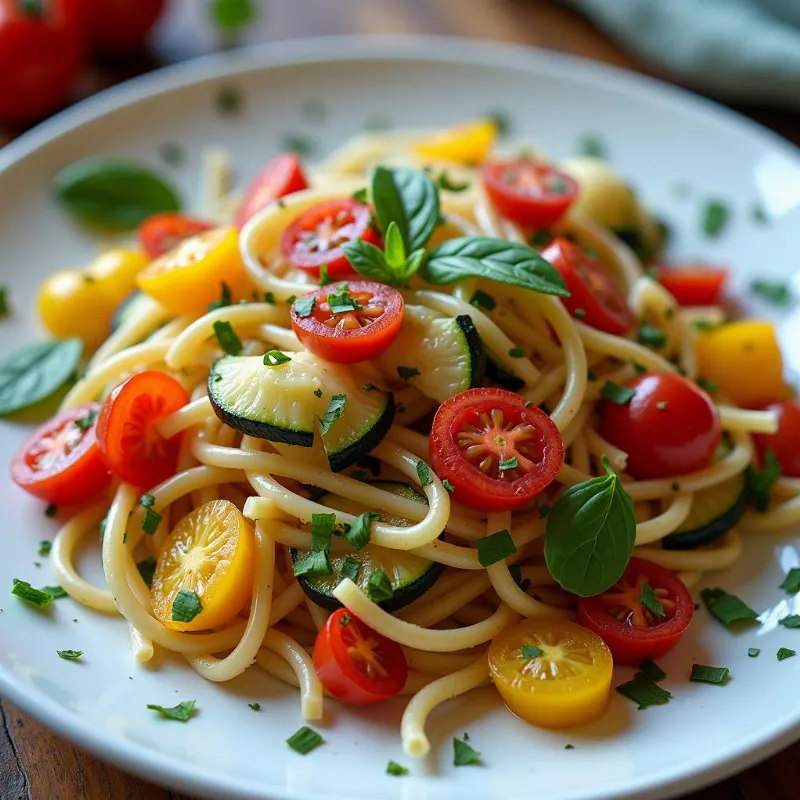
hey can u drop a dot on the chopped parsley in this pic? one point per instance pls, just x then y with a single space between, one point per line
708 386
651 670
464 754
225 298
753 652
516 574
69 655
379 587
644 692
147 568
727 608
304 740
792 621
593 146
360 195
569 746
227 338
407 373
529 651
448 486
343 302
350 568
650 336
56 591
540 238
317 392
26 592
517 352
651 602
232 15
507 464
322 527
335 410
774 292
790 585
275 358
715 218
269 297
614 393
304 306
358 534
254 706
151 520
86 422
637 367
495 547
715 675
314 565
186 606
785 653
45 546
393 768
324 277
760 482
448 185
423 473
481 299
290 299
298 143
180 713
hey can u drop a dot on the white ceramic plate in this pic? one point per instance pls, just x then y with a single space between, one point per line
656 135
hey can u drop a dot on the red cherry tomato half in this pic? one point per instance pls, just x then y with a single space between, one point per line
348 322
60 462
694 286
594 298
670 427
281 176
633 631
161 233
127 435
527 192
316 236
496 453
118 26
785 444
355 663
41 55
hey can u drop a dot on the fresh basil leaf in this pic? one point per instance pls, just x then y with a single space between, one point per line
36 371
113 194
494 259
590 535
394 248
367 259
409 198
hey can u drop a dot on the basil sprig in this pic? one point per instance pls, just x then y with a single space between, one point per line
590 535
36 371
113 194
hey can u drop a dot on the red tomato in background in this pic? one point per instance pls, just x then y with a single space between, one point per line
281 176
60 461
118 26
160 233
357 664
670 427
785 444
350 336
694 286
632 630
41 55
595 298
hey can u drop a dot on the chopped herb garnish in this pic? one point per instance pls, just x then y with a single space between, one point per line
350 568
463 754
275 358
569 746
650 336
225 298
481 299
541 237
322 527
760 482
324 277
579 313
516 574
792 621
529 651
254 706
393 768
360 196
753 652
314 565
151 521
26 592
423 473
501 120
304 740
785 653
448 486
637 367
298 143
651 602
69 655
290 299
45 546
86 422
517 352
358 534
644 692
379 587
304 306
727 608
345 620
614 393
592 145
790 585
343 302
708 386
715 218
407 372
147 568
51 510
448 185
227 338
335 410
495 547
703 674
232 15
186 606
773 292
652 670
269 297
56 591
181 712
229 101
507 464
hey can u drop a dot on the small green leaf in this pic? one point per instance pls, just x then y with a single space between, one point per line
304 740
715 218
464 754
186 606
69 655
394 250
727 608
232 15
180 713
334 412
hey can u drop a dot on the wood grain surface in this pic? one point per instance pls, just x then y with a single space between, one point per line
37 765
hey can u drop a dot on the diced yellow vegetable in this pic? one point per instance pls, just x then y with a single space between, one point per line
469 143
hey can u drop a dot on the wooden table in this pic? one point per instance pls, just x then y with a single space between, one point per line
37 765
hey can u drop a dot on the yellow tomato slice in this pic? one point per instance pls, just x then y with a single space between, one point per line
744 358
567 685
211 552
188 278
470 143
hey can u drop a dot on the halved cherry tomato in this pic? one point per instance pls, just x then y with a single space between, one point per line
694 286
670 426
59 462
160 233
496 453
349 322
316 236
355 663
281 176
632 630
595 298
528 192
567 685
785 444
127 436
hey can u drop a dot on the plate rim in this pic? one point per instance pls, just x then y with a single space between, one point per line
151 765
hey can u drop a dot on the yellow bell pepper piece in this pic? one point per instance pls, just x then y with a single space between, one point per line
469 143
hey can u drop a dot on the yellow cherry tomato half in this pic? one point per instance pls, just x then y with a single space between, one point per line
205 570
116 270
470 143
744 358
188 278
551 673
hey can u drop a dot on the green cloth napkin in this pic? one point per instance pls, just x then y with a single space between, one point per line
746 50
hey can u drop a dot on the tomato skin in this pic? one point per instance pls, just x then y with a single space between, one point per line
341 674
523 192
665 442
40 58
118 26
592 290
629 643
160 233
282 175
338 221
343 345
78 473
127 437
785 444
694 286
471 486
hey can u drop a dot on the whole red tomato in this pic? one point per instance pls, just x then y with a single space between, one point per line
118 26
41 55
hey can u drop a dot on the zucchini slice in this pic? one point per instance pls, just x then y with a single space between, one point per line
446 351
410 575
714 512
285 404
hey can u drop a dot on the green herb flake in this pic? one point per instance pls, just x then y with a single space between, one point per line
516 574
379 587
350 568
406 373
313 565
644 692
651 670
758 214
714 218
508 464
464 754
360 196
147 568
727 608
151 520
322 528
481 299
529 651
45 546
225 298
704 674
774 292
592 145
254 706
449 186
753 652
229 101
269 298
792 621
334 412
651 602
785 653
517 352
317 392
541 238
186 606
275 358
358 534
56 591
69 655
711 387
650 336
26 592
304 740
637 367
614 393
495 547
393 768
227 338
180 713
424 473
297 143
760 482
4 309
290 299
790 585
231 16
448 486
501 120
579 313
569 746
